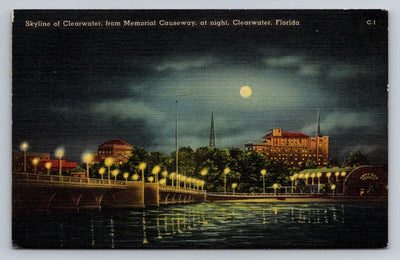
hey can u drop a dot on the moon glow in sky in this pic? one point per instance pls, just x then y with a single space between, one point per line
245 91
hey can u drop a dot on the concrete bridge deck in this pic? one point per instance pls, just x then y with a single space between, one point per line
46 193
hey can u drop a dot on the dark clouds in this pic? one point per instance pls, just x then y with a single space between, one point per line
81 87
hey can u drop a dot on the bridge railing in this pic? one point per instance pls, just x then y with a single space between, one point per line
230 194
64 179
179 189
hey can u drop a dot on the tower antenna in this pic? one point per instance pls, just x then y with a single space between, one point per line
176 141
212 132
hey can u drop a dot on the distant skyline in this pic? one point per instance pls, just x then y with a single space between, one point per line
80 87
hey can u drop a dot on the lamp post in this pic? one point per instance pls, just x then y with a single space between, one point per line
312 178
24 147
202 185
319 174
172 177
234 185
87 158
135 177
165 174
337 176
48 165
189 182
142 166
343 174
275 186
102 170
155 171
108 162
35 162
328 175
114 173
59 154
306 176
333 187
226 171
263 173
126 176
292 179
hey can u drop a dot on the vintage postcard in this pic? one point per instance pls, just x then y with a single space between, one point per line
199 129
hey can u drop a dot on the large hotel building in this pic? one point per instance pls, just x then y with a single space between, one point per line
293 148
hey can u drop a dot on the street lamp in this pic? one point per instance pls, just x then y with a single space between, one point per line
165 174
337 176
275 186
226 171
47 165
102 170
172 177
263 173
306 176
150 179
328 175
24 146
59 154
234 185
87 158
114 173
126 176
292 179
202 184
189 181
35 162
343 174
319 174
108 162
333 186
135 177
312 178
155 171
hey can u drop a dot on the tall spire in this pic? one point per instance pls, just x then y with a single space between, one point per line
318 122
212 132
176 141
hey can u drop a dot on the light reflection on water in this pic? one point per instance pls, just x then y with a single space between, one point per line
210 225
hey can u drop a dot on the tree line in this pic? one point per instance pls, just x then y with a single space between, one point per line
244 167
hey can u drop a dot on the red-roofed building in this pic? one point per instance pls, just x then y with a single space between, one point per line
293 148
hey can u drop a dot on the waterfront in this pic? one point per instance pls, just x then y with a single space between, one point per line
211 225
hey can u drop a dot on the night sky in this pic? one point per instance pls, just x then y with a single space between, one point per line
80 87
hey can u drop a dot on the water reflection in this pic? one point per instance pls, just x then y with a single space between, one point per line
212 225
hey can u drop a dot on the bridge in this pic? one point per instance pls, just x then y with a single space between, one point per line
39 193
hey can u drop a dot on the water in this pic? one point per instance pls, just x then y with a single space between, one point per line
210 225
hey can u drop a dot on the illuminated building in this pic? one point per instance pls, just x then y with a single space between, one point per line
293 148
18 160
118 149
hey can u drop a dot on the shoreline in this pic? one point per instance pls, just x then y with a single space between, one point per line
307 200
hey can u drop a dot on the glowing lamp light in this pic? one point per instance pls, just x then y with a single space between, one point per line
24 146
142 166
150 179
102 170
109 161
114 173
48 165
343 174
164 174
204 172
126 176
135 177
35 162
263 172
227 170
